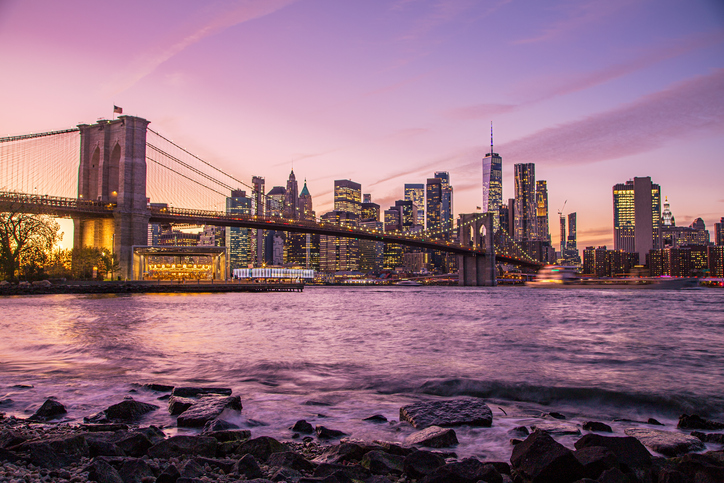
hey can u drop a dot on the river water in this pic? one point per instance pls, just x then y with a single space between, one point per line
334 355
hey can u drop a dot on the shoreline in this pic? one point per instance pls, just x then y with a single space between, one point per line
112 287
114 445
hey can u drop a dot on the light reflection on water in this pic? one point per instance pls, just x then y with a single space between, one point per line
375 346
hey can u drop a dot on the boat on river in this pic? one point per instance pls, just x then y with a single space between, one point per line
558 276
408 283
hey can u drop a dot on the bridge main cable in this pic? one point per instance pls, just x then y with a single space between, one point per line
36 135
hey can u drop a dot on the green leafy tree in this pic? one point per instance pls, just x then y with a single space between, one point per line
26 240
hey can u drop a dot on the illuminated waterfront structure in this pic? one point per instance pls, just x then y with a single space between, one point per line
526 221
335 253
637 216
291 197
719 233
415 192
492 182
433 207
258 207
541 193
370 211
446 204
347 196
237 239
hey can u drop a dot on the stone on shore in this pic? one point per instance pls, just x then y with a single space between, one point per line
630 453
324 432
709 437
207 408
51 409
353 471
453 412
134 444
262 447
218 425
433 437
598 427
127 411
595 460
199 391
302 426
556 428
541 459
101 472
178 404
248 467
184 445
290 459
419 464
469 470
697 422
136 470
668 443
381 463
158 387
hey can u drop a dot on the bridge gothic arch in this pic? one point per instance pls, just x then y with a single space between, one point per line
476 231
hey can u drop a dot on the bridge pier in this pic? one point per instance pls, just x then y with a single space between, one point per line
113 170
475 270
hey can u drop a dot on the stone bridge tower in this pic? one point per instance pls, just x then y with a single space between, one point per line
113 170
476 231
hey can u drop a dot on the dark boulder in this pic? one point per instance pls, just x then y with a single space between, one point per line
454 412
198 391
468 470
290 459
613 475
433 437
183 445
177 404
218 425
262 447
286 474
225 465
158 387
134 444
100 447
102 472
302 426
248 467
421 463
346 452
128 410
354 472
44 456
9 439
377 418
229 435
629 451
170 474
518 432
191 469
136 470
717 438
207 408
598 427
381 463
541 459
668 443
697 422
324 432
51 409
595 460
701 468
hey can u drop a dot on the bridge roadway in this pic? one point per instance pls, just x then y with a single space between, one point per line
77 207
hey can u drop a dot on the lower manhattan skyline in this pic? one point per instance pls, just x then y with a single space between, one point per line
386 94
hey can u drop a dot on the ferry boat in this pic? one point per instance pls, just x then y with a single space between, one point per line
558 276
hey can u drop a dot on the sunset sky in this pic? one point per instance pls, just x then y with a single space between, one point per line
387 92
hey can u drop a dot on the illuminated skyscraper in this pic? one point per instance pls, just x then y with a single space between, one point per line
541 193
433 207
347 196
258 207
416 194
492 182
637 216
237 239
526 221
291 207
719 233
446 204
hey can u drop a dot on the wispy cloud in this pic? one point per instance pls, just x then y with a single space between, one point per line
479 111
648 123
234 13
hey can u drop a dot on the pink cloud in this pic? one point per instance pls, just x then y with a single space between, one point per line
479 111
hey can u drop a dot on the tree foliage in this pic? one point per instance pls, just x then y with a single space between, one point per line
26 243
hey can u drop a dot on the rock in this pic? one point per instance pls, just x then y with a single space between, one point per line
153 434
629 451
433 437
468 470
381 463
134 444
377 418
103 448
346 452
8 456
519 432
158 387
596 426
595 460
302 426
421 463
177 404
191 469
697 422
668 443
262 447
654 422
230 435
183 445
558 429
226 465
326 433
394 448
9 439
248 467
43 455
102 472
541 459
701 468
290 459
555 415
99 428
706 437
127 411
354 472
453 412
614 475
198 391
170 474
136 470
218 425
51 409
286 474
207 408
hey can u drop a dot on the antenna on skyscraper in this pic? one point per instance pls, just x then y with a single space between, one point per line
491 138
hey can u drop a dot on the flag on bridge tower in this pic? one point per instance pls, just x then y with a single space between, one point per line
117 110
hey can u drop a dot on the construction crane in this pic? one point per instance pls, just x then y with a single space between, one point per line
560 212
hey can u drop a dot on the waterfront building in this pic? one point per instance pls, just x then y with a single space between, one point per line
291 196
370 211
347 196
637 216
393 219
366 198
673 236
415 192
503 217
526 221
408 214
306 209
511 218
716 261
336 253
667 219
238 239
570 253
446 204
258 207
274 240
541 193
601 262
719 233
302 249
492 182
370 251
433 206
688 261
212 236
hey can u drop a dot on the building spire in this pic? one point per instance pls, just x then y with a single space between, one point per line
491 138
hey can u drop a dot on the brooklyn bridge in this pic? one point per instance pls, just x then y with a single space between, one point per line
102 176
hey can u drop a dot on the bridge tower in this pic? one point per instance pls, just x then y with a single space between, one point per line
476 230
113 170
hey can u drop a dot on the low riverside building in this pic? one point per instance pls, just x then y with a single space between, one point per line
178 263
273 273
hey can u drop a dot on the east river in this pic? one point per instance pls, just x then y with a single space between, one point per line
334 355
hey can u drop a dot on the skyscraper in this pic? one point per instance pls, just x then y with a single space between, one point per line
306 211
719 233
492 182
637 216
237 239
433 207
526 221
541 193
347 196
291 208
446 204
415 192
258 207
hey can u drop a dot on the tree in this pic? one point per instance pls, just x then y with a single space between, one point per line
25 239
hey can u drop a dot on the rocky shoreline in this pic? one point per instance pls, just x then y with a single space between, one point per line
113 446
